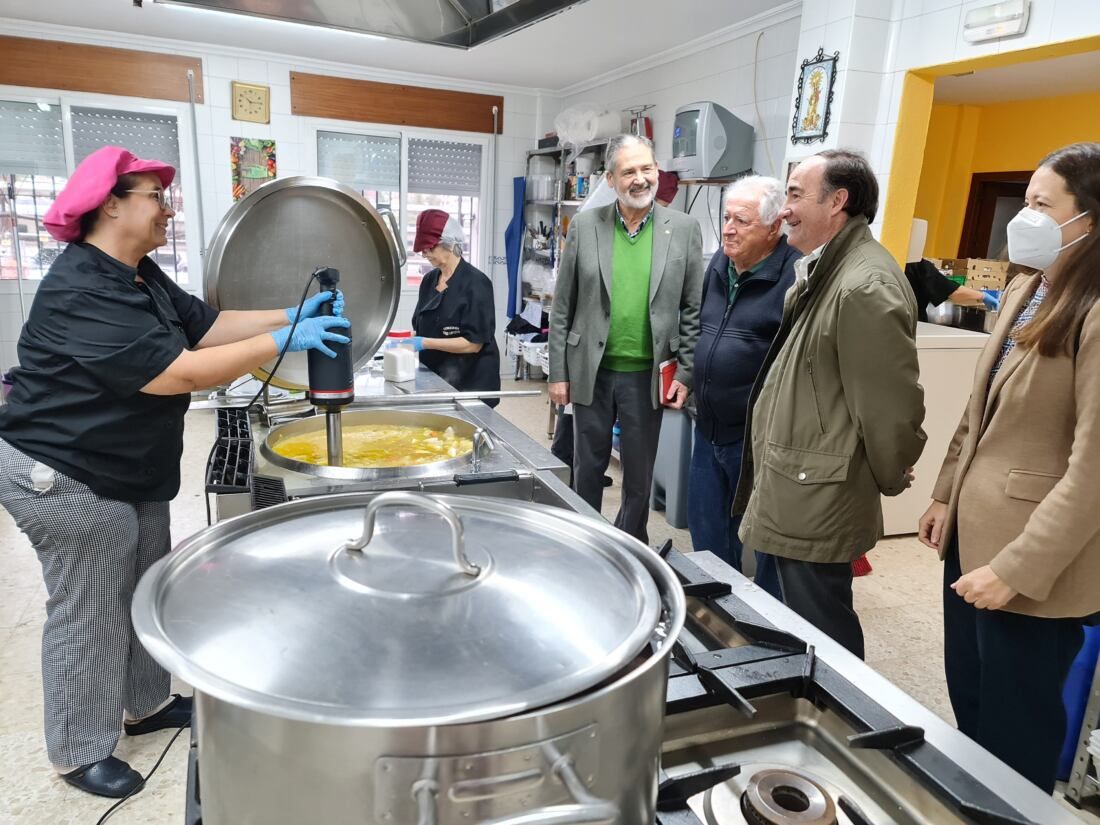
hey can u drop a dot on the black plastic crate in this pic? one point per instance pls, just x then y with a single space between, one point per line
229 469
232 422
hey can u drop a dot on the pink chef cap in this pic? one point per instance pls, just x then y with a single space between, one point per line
90 185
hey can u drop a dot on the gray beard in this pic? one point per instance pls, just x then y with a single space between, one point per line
639 201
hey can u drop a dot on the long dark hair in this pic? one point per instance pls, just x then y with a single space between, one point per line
1054 329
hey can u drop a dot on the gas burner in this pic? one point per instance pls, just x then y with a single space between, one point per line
786 797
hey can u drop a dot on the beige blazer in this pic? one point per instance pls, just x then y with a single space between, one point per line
1022 474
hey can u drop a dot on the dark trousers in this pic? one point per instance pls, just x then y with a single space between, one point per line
715 470
821 593
627 396
1005 673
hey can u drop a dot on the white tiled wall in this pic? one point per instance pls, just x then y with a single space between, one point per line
214 127
880 40
721 73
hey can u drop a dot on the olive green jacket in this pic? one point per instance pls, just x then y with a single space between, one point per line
836 411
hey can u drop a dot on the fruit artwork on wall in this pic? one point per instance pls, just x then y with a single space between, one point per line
252 164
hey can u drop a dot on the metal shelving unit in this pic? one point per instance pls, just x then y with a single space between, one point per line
562 156
1085 783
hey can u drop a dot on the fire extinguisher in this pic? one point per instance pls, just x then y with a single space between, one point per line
641 125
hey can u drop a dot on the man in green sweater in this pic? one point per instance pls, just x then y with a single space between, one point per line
626 299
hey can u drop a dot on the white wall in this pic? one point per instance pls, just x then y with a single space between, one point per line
291 133
720 70
880 40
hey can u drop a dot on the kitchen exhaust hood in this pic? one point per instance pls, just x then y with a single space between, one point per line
457 23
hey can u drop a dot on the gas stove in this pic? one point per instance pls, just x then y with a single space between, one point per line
769 722
761 730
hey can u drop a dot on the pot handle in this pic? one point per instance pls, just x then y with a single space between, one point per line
483 443
414 500
585 810
387 213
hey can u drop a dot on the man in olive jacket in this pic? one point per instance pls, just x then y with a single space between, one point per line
836 409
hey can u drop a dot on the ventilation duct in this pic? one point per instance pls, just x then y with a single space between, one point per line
458 23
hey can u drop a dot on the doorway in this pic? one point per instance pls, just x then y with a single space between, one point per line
995 198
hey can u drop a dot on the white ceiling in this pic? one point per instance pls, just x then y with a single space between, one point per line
1070 75
590 39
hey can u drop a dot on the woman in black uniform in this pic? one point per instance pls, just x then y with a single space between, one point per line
454 319
90 443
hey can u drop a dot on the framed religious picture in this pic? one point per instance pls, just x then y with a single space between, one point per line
814 99
251 164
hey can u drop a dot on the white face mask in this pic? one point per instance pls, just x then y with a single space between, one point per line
1035 240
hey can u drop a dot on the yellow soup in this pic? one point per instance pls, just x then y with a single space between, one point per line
379 445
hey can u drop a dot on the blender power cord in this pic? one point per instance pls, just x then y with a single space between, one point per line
286 346
111 811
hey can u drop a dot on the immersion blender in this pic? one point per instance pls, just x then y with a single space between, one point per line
332 380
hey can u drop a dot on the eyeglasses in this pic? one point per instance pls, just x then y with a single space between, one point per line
162 196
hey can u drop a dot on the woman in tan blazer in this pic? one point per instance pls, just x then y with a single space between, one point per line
1016 509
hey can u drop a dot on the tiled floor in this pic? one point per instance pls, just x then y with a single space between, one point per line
899 605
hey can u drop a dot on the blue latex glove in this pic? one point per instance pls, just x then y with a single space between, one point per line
415 344
992 299
313 305
312 333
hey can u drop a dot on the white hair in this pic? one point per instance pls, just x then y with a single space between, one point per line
620 142
453 238
770 190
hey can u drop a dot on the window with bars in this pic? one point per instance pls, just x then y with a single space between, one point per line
369 164
442 174
33 170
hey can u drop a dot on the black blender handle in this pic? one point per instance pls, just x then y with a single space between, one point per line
327 278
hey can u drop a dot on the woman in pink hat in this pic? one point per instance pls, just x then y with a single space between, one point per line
90 443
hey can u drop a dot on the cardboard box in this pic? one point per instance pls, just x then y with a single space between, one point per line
986 282
957 266
981 267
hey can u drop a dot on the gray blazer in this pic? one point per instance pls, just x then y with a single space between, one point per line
581 315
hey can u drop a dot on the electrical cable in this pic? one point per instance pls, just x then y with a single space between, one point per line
692 204
286 346
111 811
756 104
710 216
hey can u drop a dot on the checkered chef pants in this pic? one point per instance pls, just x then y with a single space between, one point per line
93 551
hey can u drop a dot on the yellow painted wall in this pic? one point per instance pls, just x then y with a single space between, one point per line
912 129
1000 137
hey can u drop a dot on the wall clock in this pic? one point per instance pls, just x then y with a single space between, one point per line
251 102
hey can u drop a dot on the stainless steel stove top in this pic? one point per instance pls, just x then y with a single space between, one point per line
755 690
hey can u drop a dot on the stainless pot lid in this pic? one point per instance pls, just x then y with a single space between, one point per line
443 609
269 243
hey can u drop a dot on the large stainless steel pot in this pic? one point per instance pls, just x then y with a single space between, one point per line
457 660
954 315
269 243
352 418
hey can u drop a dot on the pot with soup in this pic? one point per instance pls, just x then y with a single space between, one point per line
378 444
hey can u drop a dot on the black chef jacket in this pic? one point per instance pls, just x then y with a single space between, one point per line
929 285
463 310
93 339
